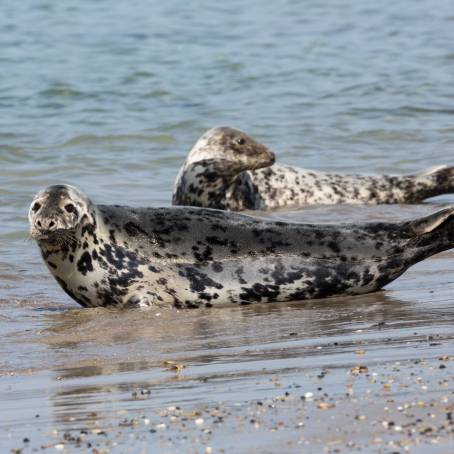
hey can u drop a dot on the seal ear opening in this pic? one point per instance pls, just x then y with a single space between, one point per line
429 223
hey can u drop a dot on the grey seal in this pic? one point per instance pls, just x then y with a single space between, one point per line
227 169
110 255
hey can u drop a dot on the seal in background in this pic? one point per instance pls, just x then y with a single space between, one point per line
229 170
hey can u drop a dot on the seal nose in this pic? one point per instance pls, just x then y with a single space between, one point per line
46 224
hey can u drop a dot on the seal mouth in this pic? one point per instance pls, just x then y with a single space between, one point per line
269 158
39 235
53 237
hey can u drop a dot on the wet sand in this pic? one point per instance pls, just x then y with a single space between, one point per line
371 373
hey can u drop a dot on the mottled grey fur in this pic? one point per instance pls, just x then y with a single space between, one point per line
219 174
187 257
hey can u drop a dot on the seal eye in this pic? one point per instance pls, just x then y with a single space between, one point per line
36 207
240 141
70 208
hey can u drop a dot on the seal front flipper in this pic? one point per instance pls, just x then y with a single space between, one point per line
205 183
138 301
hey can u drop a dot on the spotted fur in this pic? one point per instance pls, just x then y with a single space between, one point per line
190 257
213 177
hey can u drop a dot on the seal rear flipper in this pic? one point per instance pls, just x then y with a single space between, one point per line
430 235
436 181
434 170
429 223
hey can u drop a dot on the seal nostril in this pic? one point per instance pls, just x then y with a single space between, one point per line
51 224
39 223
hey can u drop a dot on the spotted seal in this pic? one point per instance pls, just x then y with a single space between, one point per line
227 169
110 255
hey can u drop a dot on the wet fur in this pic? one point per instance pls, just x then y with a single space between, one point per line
191 257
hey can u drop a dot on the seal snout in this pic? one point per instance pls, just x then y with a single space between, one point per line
42 218
46 225
43 227
265 157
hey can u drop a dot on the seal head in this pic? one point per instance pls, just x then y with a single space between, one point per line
232 146
55 213
209 174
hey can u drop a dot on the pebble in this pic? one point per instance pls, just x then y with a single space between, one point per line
325 405
356 370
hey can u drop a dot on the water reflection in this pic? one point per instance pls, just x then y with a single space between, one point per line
202 327
79 339
120 357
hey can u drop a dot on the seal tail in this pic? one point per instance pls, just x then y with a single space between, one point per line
430 234
435 181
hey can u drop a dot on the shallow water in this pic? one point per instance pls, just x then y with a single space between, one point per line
111 97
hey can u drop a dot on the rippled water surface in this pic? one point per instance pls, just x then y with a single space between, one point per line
110 97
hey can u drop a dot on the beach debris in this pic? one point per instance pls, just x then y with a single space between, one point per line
325 405
356 370
141 393
173 366
308 396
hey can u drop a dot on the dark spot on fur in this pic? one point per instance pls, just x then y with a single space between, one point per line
198 280
85 265
217 267
133 229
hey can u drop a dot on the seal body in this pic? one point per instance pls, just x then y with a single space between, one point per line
208 179
121 256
